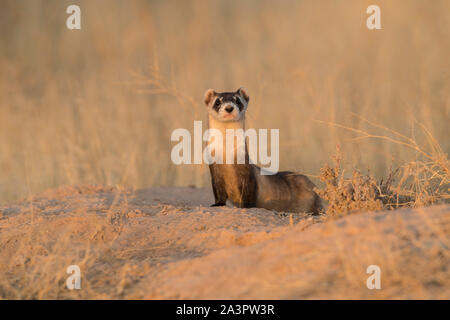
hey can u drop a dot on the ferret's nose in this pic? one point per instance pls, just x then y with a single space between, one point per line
229 109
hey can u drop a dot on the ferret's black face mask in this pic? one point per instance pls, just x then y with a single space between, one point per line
227 106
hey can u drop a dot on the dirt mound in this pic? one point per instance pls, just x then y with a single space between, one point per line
168 243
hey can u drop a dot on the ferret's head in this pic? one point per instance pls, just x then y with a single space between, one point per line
227 106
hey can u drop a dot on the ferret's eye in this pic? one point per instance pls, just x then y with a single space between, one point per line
238 101
217 103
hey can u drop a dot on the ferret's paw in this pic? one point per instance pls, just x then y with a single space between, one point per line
218 205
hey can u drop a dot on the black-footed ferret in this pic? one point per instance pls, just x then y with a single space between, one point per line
243 184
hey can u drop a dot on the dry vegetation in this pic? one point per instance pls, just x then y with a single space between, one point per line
98 106
417 183
167 243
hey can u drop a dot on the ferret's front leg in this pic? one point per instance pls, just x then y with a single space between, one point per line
218 185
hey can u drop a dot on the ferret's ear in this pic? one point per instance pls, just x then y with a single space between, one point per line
209 94
243 94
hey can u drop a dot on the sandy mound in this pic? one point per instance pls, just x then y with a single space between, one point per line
168 243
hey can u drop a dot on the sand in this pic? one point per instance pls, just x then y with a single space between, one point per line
167 243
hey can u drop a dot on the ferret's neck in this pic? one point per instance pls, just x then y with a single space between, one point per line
221 150
222 126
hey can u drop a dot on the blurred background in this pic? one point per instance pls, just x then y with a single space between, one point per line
98 105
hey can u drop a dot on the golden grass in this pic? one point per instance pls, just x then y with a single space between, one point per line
422 182
98 105
133 246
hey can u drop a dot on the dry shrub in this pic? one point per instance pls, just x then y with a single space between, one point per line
37 247
422 182
358 193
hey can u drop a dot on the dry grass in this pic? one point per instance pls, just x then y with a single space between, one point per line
347 195
78 106
40 247
422 182
98 106
164 243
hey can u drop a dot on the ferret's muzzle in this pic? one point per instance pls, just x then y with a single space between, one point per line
229 109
